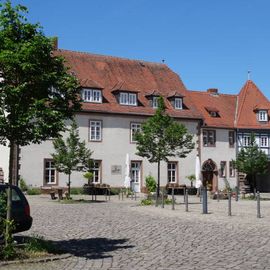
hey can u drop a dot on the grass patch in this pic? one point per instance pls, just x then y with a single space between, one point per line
30 248
33 191
76 191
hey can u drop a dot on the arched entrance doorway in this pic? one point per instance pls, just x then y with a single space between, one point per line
209 174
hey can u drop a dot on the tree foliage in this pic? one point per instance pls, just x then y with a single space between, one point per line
71 154
161 138
37 93
251 161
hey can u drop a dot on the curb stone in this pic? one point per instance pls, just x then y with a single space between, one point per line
38 260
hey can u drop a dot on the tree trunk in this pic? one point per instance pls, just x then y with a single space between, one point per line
255 185
9 193
158 183
69 185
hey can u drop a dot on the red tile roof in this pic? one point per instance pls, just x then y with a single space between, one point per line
251 99
235 111
223 104
113 73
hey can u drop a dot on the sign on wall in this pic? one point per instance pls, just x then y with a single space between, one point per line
116 169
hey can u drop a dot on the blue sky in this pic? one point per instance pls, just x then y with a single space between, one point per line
209 43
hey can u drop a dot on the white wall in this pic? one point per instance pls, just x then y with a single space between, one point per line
4 160
112 151
221 152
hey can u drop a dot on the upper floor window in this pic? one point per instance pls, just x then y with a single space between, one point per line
128 99
231 138
134 128
92 95
246 140
95 132
263 141
262 116
178 103
209 138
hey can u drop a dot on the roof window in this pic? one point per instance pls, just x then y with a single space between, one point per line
262 116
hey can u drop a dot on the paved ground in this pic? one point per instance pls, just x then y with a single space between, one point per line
122 235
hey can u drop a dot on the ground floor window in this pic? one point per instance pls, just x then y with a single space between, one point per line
136 171
223 169
49 172
231 169
96 171
172 172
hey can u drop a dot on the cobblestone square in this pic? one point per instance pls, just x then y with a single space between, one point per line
123 235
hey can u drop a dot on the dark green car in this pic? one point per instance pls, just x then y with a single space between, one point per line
20 209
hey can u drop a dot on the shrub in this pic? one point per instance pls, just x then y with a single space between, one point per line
151 183
76 191
168 201
115 191
23 186
146 202
33 191
38 244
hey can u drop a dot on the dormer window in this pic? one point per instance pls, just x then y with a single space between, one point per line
213 112
262 116
92 95
155 102
178 103
126 98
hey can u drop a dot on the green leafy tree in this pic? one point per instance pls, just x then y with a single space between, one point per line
191 178
161 137
251 161
71 155
37 93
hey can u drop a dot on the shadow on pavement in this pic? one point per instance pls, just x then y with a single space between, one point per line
92 248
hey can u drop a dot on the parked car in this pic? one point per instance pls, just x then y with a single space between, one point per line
20 211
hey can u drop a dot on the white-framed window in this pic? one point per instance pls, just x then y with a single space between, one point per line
209 138
223 169
231 169
246 140
128 99
134 128
155 102
49 172
262 116
96 170
136 171
95 130
92 95
263 141
172 172
178 103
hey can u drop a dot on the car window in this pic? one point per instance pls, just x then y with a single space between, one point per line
15 196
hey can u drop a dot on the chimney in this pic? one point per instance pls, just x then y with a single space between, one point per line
213 91
55 43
